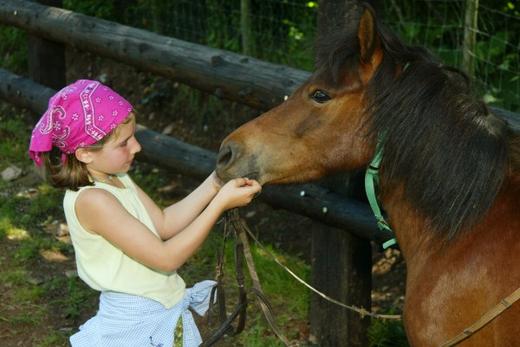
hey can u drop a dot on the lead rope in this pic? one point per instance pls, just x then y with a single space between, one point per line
218 293
241 231
485 319
361 311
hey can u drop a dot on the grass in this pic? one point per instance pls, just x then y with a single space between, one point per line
13 50
387 334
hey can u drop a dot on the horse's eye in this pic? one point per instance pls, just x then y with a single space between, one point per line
320 96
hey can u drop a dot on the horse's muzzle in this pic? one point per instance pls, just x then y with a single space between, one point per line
232 163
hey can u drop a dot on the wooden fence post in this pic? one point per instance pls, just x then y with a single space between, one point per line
46 58
341 268
470 37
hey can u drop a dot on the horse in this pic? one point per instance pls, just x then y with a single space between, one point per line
449 173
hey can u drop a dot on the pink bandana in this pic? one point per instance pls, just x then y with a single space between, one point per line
79 115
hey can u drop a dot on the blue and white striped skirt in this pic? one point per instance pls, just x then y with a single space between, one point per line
134 321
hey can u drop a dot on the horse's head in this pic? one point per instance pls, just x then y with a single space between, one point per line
318 129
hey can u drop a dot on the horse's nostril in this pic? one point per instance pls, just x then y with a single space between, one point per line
225 156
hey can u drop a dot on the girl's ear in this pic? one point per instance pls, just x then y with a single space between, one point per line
83 155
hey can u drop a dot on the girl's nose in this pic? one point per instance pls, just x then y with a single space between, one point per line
136 146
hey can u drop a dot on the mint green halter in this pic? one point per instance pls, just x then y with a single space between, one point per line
371 184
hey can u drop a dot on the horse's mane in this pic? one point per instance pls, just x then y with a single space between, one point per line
442 143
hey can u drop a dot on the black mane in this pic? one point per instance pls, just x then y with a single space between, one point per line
440 141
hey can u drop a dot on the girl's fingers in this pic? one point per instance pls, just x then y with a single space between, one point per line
239 182
257 187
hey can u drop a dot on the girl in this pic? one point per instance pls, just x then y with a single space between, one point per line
126 247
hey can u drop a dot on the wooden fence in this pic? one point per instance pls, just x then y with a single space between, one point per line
344 271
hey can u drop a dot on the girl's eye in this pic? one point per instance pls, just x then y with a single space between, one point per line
124 144
320 96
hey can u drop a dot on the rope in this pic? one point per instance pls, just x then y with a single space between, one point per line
241 229
485 319
361 311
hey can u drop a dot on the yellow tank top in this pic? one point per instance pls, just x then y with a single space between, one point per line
105 267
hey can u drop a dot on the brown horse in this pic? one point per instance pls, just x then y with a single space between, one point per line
450 173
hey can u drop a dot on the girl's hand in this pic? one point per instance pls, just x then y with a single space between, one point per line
237 192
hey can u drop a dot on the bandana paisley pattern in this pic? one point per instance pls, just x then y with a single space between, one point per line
75 118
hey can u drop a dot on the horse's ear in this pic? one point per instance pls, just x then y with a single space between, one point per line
367 36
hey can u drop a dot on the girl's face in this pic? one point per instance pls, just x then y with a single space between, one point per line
117 154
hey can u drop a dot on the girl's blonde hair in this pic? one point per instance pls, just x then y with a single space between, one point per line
72 173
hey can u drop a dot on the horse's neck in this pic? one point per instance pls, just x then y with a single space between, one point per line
419 244
415 239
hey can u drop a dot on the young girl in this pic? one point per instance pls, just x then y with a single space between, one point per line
126 247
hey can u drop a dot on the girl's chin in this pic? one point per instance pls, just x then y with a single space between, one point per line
127 167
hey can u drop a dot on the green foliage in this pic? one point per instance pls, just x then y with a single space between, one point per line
14 277
222 23
151 178
387 334
75 295
259 336
13 49
28 212
283 32
276 280
55 338
12 129
95 8
439 26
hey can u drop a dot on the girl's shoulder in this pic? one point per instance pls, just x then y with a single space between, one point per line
101 194
97 204
92 194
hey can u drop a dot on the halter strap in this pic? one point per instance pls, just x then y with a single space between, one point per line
371 184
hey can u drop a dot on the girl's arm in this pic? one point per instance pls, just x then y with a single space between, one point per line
102 214
176 217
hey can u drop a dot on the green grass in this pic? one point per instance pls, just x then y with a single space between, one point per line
14 136
13 49
387 334
55 338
